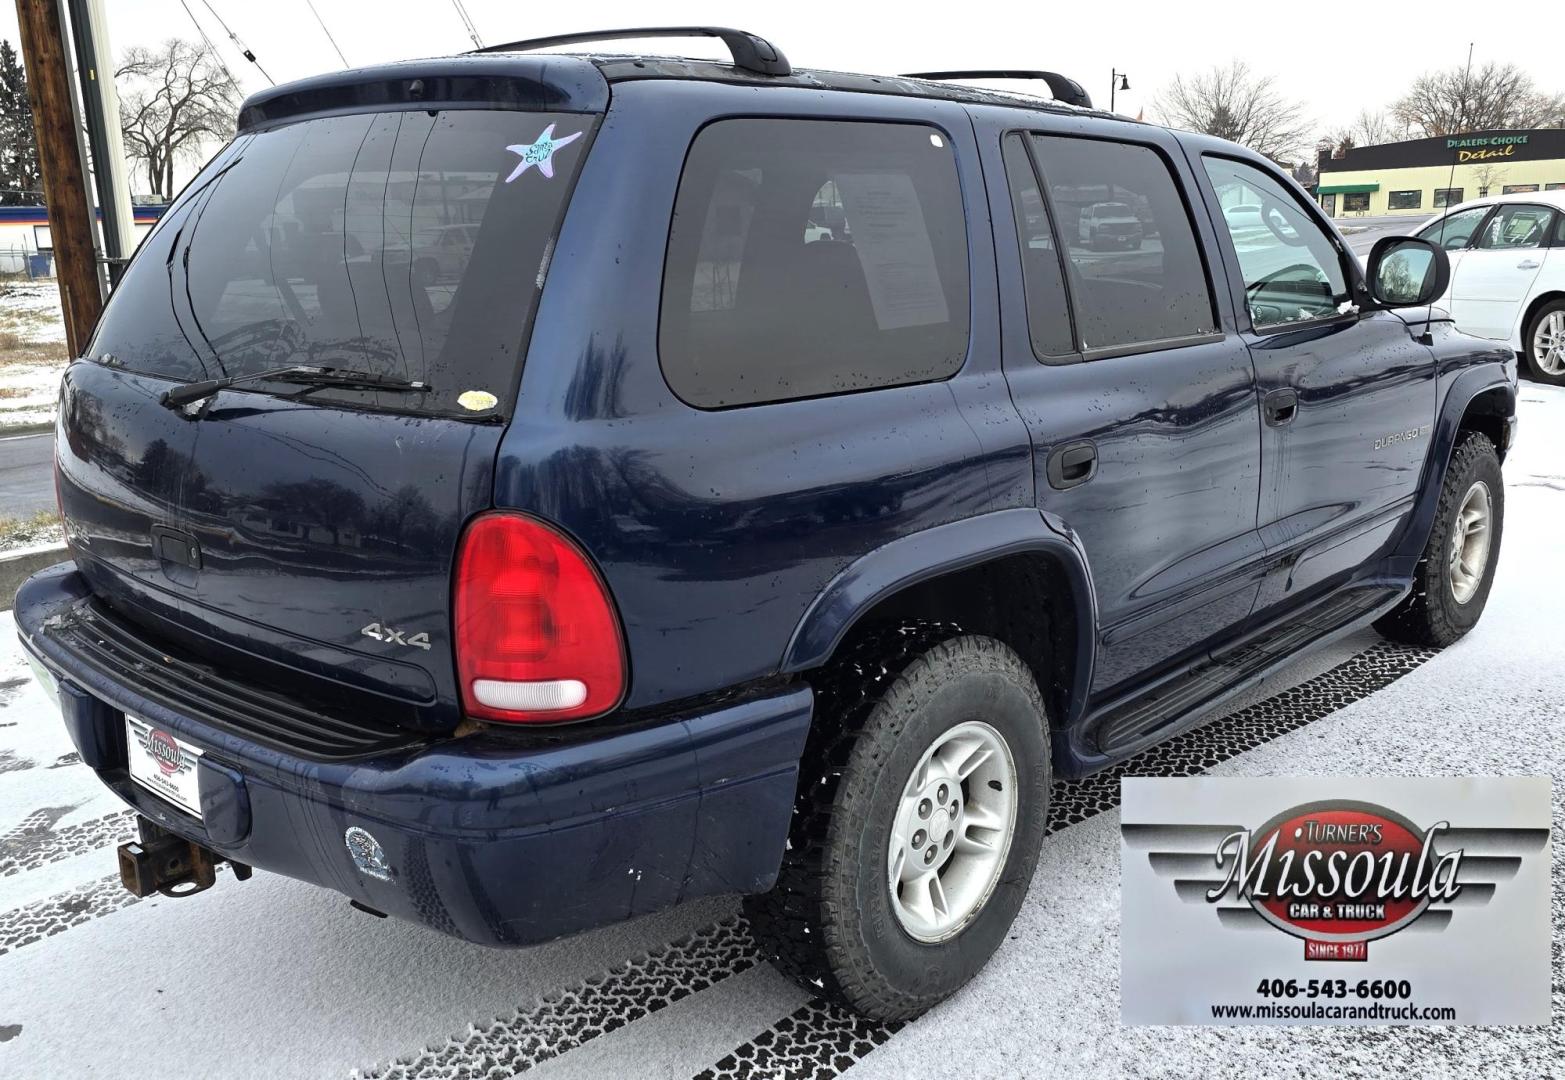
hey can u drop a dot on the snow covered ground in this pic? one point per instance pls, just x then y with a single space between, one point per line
274 978
32 351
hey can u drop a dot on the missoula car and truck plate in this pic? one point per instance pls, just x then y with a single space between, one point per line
163 764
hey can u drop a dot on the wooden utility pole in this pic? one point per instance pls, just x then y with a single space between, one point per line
59 154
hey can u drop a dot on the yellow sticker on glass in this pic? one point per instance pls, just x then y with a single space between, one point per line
477 400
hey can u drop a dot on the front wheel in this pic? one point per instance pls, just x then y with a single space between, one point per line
1452 581
1544 341
911 853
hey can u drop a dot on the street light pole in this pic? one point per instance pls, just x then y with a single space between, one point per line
1118 80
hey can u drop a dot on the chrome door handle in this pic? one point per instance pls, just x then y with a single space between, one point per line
1528 264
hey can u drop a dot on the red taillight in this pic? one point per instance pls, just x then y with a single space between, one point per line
536 636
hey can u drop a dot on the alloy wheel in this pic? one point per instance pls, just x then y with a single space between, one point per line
1470 543
952 831
1548 343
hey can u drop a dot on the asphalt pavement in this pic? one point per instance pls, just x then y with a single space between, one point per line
26 474
1361 233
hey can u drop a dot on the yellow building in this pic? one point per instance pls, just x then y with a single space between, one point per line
1421 176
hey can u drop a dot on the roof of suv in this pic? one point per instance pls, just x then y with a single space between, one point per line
575 81
624 68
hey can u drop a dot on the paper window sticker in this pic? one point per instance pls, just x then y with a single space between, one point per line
892 241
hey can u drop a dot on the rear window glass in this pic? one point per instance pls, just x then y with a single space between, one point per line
407 245
812 257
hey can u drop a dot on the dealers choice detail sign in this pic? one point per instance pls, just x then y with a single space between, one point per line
1335 900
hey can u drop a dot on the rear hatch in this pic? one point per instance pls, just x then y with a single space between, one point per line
292 531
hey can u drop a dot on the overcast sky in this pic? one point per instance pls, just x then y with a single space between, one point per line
1336 58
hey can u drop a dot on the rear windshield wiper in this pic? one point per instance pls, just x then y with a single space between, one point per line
312 377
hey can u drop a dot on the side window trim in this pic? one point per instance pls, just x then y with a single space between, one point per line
1089 355
1348 266
1076 355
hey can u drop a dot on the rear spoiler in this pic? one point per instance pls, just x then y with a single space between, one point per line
510 82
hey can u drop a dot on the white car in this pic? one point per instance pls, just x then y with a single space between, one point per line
1508 274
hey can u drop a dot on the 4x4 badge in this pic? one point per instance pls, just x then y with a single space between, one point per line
381 632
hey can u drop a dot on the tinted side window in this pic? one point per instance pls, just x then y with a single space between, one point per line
1136 273
812 257
1292 270
1043 274
1454 231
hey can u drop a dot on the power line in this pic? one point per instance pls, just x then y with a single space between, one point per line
467 22
327 32
243 51
211 48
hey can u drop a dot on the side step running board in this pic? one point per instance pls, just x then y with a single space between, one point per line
1141 717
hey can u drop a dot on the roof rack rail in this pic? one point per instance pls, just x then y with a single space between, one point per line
750 52
1064 89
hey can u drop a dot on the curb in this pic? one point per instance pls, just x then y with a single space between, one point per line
17 566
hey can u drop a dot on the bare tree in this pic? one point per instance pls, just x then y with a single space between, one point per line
1489 176
174 100
1234 103
1371 128
1457 100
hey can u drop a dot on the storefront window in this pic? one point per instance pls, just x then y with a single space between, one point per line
1404 200
1447 196
1355 202
1554 187
1513 189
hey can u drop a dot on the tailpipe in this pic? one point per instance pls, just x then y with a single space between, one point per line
166 863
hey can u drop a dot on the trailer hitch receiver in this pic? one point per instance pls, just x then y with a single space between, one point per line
162 862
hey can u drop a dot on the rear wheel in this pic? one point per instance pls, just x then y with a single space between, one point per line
916 830
1544 342
1452 581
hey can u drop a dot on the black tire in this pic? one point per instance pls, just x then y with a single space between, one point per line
829 922
1431 614
1532 368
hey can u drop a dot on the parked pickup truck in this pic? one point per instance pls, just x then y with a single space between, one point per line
672 545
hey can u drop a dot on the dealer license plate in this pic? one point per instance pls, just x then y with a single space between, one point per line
163 764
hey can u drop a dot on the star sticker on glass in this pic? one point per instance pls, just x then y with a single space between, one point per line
540 153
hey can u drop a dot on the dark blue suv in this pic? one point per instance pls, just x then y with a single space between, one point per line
522 492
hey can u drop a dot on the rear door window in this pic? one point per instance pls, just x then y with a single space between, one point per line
812 257
1136 275
1516 225
407 245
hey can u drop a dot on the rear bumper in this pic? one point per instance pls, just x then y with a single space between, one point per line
497 838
